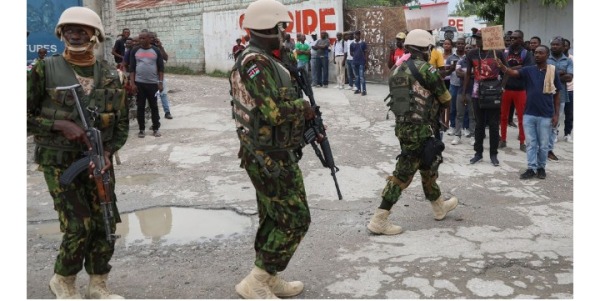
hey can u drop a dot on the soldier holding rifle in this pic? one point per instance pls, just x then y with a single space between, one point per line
61 140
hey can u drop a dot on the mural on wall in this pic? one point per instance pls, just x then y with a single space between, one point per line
42 16
379 26
224 27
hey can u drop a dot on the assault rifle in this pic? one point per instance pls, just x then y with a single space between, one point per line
315 129
95 155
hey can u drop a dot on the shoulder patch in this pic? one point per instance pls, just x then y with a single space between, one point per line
253 71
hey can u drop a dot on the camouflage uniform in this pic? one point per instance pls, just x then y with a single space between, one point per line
84 240
413 132
270 120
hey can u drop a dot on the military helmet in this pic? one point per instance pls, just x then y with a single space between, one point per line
82 16
265 14
401 35
419 38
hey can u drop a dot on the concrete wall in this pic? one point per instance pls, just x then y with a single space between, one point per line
200 34
535 19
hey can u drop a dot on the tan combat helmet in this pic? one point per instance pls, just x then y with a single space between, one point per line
265 14
82 16
418 38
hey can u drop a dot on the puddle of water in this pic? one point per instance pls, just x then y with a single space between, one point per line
168 226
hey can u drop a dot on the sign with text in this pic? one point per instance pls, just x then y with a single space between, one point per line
222 28
493 37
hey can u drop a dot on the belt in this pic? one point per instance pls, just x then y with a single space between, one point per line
340 55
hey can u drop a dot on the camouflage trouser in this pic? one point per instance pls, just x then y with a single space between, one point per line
84 239
411 139
283 213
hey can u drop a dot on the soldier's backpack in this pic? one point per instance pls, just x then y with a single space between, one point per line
400 92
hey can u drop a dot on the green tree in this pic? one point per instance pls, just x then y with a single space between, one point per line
465 9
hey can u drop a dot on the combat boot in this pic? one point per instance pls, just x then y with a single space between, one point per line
255 285
63 287
282 288
97 288
380 224
441 207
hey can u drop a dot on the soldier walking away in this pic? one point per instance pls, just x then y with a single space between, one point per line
418 95
60 141
263 111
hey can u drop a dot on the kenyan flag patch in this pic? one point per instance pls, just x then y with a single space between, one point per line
253 71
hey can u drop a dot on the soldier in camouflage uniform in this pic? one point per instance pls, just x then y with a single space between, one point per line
61 140
416 121
270 115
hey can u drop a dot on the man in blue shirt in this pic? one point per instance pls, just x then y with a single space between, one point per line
541 109
564 66
359 55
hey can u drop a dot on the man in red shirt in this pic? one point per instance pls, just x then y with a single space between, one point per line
396 53
238 48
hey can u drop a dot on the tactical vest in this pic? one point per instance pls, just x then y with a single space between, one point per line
410 102
60 105
252 128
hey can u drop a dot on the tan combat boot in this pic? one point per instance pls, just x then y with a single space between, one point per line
255 285
441 207
97 288
380 224
64 287
282 288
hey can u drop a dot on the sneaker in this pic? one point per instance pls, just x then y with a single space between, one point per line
141 134
476 158
350 88
512 124
528 174
472 142
523 147
156 133
456 140
552 156
356 91
569 138
450 131
168 115
354 88
364 93
541 173
494 159
555 138
502 144
467 133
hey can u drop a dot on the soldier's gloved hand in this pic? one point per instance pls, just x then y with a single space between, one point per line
309 113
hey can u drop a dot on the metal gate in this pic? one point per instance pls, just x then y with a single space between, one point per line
378 26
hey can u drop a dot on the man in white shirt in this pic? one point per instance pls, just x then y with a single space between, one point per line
349 40
339 59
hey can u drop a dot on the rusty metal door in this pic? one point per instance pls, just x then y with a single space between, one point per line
378 26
